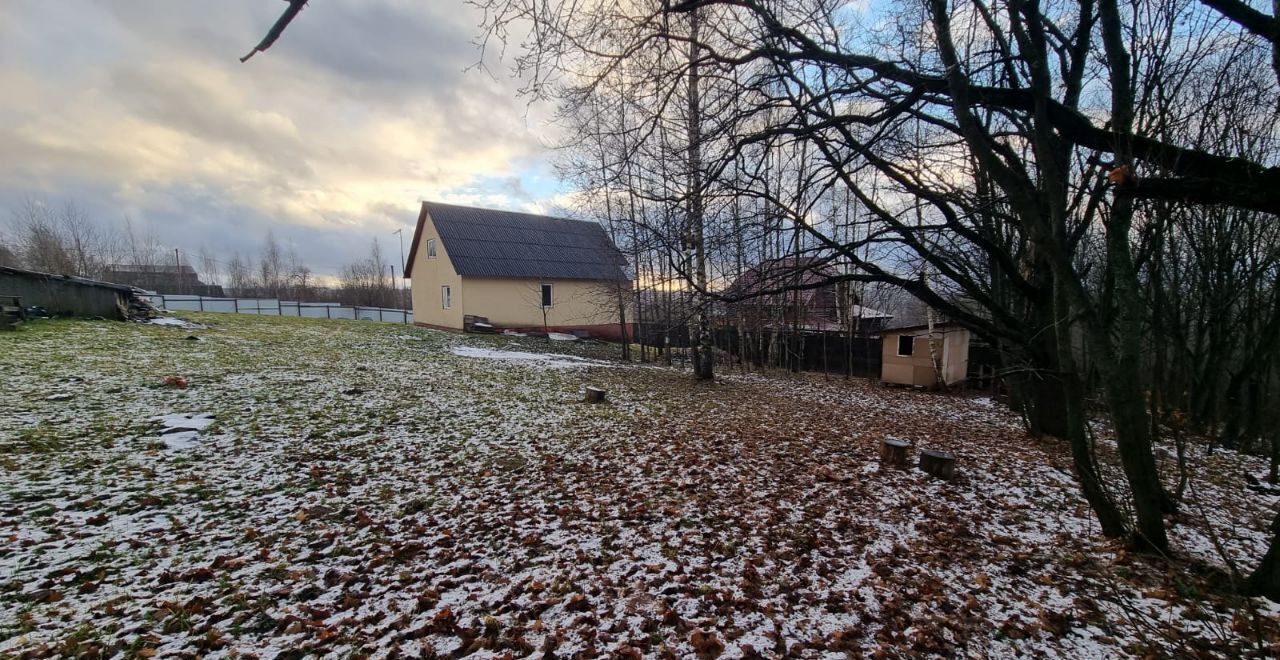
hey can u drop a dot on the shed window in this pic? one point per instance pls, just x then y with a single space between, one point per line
546 295
906 345
431 248
446 297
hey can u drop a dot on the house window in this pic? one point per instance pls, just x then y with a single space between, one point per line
446 297
906 345
546 295
431 248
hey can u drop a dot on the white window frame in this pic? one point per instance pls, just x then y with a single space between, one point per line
431 248
446 296
547 295
913 345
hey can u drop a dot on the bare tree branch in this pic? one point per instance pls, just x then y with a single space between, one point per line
276 30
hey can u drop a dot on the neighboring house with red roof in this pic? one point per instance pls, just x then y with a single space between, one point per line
799 293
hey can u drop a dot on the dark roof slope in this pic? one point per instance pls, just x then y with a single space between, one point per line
70 279
489 243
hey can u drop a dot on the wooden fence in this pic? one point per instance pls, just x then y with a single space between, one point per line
827 352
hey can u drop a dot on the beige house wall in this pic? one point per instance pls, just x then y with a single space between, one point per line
955 365
518 303
429 275
917 369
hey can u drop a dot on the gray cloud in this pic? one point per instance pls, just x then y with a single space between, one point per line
330 138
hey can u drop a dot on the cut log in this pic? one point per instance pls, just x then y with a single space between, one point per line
893 452
595 395
938 463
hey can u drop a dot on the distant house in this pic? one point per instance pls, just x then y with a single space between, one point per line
799 293
907 357
161 278
517 271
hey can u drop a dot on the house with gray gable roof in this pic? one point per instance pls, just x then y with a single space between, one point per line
517 271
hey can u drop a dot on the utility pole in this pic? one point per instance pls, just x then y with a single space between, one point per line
177 269
400 298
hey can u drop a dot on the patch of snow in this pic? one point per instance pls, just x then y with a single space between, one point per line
548 360
177 422
180 440
560 336
175 322
182 430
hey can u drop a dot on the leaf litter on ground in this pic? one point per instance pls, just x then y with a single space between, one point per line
355 489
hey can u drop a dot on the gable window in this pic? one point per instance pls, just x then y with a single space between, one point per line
446 297
906 345
431 248
546 295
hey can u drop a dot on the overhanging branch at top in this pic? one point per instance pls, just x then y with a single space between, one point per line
276 30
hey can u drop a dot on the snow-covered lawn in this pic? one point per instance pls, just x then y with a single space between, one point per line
357 488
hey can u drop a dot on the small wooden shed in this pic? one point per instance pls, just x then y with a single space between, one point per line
906 358
66 295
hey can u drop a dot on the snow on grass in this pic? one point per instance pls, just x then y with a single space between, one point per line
358 489
173 321
548 360
177 422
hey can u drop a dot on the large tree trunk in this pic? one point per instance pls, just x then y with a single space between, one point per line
1043 391
1265 580
1122 337
1074 419
1129 420
699 326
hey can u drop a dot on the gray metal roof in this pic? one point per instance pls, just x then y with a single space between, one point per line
72 279
489 243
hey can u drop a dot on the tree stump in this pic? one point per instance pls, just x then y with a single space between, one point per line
893 452
595 395
938 463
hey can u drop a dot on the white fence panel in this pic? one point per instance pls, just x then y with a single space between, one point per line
264 306
183 303
225 305
274 307
310 312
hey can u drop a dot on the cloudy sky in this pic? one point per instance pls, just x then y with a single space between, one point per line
141 109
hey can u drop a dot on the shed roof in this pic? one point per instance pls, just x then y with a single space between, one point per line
912 327
70 279
507 244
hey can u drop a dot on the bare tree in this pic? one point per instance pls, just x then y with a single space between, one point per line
210 267
367 281
240 279
41 244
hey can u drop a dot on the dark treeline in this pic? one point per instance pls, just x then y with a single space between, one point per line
64 239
